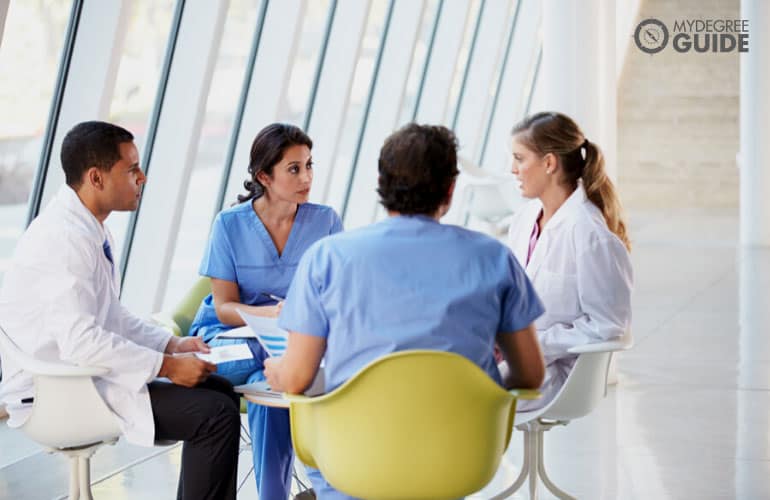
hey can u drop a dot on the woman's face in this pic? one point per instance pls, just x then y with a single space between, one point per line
530 169
292 176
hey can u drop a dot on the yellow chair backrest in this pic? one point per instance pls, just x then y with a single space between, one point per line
414 424
185 311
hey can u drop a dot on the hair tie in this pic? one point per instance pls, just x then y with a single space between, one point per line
584 150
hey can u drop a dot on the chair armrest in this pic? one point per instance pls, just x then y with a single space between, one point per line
619 344
166 321
525 393
297 398
51 369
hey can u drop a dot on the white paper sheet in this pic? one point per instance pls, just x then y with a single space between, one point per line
272 338
222 354
242 332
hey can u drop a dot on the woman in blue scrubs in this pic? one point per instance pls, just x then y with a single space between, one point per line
253 252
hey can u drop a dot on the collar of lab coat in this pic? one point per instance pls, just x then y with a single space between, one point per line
70 202
573 203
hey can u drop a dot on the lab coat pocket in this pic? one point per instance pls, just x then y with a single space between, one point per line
559 294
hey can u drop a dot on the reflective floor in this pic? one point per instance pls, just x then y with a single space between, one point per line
689 418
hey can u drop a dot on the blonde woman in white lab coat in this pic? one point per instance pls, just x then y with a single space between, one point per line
572 241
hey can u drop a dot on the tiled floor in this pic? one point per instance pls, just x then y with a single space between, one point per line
690 417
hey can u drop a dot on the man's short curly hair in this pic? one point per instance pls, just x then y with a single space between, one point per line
417 165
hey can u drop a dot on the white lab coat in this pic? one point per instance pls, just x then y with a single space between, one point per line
583 275
59 302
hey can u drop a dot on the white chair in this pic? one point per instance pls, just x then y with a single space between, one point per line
490 197
585 386
68 414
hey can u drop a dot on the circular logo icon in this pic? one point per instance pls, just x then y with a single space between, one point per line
651 36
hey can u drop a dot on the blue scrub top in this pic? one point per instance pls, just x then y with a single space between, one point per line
240 250
408 282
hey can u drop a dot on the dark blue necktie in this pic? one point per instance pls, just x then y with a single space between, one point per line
108 254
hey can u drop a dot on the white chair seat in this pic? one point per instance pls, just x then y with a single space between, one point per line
584 387
68 414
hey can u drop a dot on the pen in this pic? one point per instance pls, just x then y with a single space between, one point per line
274 297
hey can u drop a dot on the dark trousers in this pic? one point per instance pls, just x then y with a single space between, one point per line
207 418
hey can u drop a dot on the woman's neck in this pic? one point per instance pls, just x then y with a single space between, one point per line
274 212
552 199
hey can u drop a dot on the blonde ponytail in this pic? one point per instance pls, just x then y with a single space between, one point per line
600 190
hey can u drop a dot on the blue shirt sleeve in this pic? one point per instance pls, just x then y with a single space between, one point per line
303 311
336 223
219 259
520 303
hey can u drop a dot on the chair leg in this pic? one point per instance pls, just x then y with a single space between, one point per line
546 480
526 465
245 446
84 463
74 478
535 440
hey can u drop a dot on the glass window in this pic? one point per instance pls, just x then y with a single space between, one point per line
305 62
419 62
221 105
463 60
31 49
359 93
140 66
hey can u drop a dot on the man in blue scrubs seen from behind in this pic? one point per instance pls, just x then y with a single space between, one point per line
407 282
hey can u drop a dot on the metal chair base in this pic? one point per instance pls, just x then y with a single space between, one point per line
533 467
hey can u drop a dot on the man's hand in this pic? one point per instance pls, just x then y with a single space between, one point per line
186 344
187 371
273 374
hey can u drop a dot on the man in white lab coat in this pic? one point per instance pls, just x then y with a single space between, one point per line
59 302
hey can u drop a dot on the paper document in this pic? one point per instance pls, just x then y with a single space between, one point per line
263 390
272 338
242 332
222 354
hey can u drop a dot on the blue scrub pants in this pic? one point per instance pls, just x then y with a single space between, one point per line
269 427
323 490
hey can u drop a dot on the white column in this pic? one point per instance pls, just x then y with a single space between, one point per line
578 68
173 155
755 122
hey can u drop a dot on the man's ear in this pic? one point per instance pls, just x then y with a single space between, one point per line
444 208
94 177
450 192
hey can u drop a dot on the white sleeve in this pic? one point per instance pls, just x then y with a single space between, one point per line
138 330
71 307
604 282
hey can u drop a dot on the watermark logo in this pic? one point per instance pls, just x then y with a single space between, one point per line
699 35
651 36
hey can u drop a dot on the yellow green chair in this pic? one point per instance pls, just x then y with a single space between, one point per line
180 319
410 425
178 322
